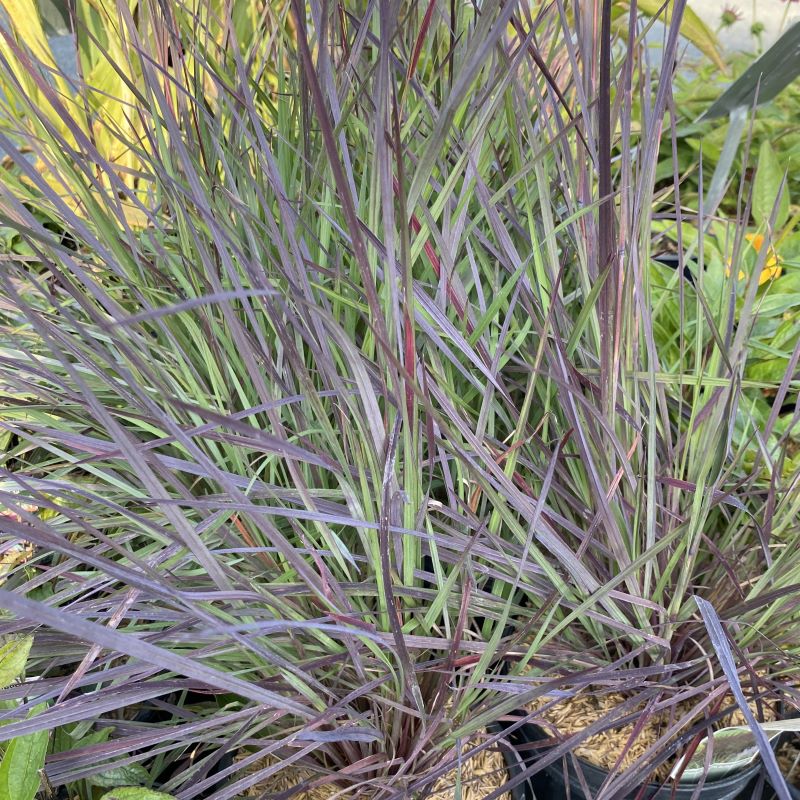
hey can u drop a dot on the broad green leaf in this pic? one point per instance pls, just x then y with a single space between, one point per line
135 793
779 302
13 656
23 760
769 179
129 775
68 737
771 370
768 75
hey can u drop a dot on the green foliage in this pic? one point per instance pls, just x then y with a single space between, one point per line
13 657
765 77
130 775
770 196
135 793
22 758
79 736
20 768
775 123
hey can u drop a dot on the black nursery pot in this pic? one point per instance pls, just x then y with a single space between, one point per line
552 782
517 759
225 761
174 769
794 792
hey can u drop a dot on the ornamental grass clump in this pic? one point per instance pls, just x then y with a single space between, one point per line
684 567
242 437
363 439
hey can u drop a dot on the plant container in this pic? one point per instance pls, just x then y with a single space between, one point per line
553 783
794 792
152 715
517 758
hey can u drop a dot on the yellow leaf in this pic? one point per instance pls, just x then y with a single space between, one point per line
27 25
15 555
772 267
134 216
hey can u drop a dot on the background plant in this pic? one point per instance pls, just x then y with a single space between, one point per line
701 140
106 95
